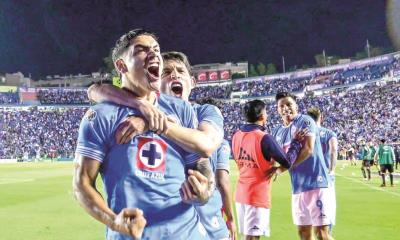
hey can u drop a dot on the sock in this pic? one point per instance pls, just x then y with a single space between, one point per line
363 172
383 179
369 173
391 178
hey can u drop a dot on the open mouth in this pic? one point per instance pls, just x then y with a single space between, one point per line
177 88
153 70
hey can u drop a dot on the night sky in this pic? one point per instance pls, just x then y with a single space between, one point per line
44 37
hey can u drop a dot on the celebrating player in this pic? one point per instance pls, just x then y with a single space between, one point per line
177 81
142 186
254 151
311 198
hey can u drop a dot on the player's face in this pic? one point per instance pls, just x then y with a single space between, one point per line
143 64
287 109
176 80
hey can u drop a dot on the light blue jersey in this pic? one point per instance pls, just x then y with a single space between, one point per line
325 136
146 173
210 213
312 173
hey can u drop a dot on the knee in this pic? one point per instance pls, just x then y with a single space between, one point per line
304 233
322 234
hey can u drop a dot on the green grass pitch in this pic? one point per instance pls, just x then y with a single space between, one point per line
36 203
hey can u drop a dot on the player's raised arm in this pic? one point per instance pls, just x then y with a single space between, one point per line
129 221
333 149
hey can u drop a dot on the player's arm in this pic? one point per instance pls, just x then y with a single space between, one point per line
204 140
333 147
306 150
376 157
200 183
224 187
393 155
272 151
157 121
129 221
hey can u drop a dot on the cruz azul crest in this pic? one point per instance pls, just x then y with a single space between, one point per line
151 154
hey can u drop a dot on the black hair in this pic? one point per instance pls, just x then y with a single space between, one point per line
123 43
281 95
252 110
177 56
314 113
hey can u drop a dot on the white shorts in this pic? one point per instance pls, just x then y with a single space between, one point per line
315 207
253 221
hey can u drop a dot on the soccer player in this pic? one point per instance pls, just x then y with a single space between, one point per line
385 155
397 153
311 197
329 144
177 81
365 157
143 178
351 155
255 152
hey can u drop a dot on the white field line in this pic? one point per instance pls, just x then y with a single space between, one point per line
14 180
382 189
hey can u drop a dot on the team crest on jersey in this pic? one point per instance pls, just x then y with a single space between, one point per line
151 154
90 115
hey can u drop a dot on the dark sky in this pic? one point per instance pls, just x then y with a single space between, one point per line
44 37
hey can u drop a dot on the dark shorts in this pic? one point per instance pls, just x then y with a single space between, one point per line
371 162
388 167
366 163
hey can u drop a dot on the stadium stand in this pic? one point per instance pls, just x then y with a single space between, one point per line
360 101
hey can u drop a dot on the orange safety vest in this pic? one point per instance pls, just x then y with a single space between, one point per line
253 188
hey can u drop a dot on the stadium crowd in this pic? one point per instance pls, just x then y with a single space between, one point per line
9 98
34 133
329 78
219 91
366 113
63 96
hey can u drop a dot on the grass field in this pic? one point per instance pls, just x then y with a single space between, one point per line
36 203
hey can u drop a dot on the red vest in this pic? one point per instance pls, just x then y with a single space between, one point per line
253 188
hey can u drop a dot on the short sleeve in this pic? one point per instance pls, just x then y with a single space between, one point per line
92 136
223 156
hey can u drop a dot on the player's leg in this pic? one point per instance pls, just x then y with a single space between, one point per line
323 209
256 222
390 170
383 173
363 167
363 170
301 216
322 232
367 167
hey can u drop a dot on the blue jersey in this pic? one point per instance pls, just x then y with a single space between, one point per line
146 173
210 213
325 136
312 173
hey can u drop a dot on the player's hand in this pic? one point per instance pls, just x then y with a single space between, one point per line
232 229
130 222
158 121
196 189
300 134
129 128
273 172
